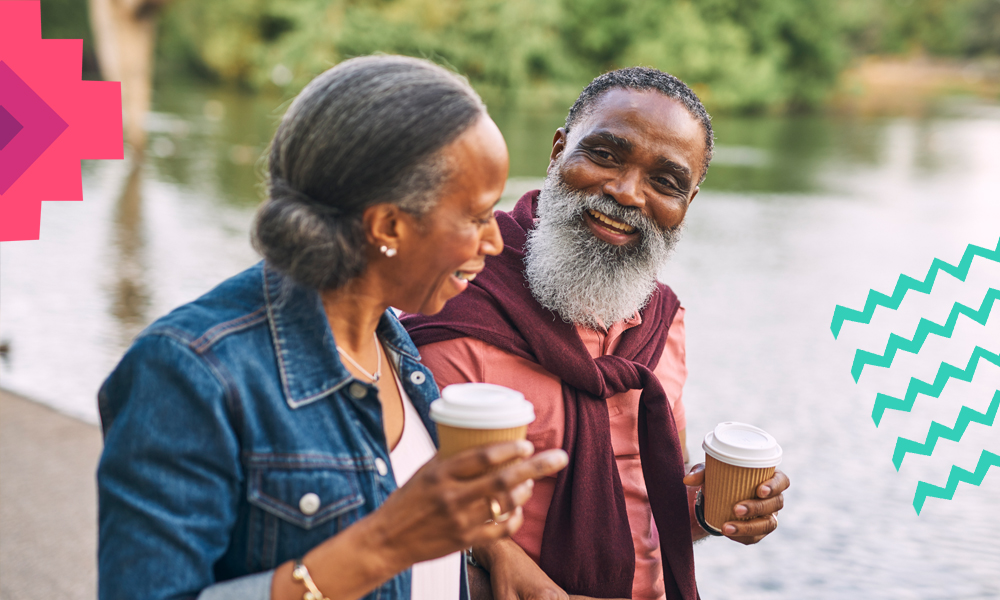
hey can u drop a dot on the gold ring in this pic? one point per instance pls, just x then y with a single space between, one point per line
495 510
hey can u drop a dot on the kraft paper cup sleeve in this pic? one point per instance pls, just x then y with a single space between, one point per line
738 458
475 414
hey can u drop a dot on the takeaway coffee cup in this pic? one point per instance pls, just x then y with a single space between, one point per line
475 414
738 458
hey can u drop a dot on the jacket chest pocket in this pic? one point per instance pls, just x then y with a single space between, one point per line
293 510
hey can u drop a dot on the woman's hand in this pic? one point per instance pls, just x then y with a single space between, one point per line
445 506
762 514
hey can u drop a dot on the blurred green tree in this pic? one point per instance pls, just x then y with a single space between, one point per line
740 55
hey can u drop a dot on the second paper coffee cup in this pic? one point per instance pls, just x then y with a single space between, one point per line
738 458
474 414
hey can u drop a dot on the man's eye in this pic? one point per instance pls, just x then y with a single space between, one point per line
603 154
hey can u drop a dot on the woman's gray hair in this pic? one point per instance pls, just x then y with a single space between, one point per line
365 132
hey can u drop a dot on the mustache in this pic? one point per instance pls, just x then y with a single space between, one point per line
606 204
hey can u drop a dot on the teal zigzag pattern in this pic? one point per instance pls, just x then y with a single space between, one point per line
905 283
927 490
937 431
884 402
924 329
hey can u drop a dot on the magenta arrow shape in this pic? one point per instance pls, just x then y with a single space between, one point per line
8 127
41 124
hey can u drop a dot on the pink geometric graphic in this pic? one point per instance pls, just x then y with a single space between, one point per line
8 127
42 126
56 120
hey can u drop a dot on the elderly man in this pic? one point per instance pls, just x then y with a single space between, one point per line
571 314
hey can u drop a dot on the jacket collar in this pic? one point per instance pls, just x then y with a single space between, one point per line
306 352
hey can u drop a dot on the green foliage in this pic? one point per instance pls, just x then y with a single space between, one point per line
937 27
68 19
739 55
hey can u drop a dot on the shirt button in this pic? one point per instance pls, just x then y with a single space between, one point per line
357 390
382 468
309 504
417 377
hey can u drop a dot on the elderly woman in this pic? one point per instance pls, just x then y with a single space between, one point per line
255 438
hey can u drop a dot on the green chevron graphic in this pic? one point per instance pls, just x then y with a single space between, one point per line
884 402
905 283
926 490
966 416
924 329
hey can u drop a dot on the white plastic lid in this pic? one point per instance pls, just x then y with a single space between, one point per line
742 445
481 406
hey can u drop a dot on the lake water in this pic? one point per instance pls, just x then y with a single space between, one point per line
797 215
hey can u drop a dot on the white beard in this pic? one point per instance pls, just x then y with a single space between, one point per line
584 279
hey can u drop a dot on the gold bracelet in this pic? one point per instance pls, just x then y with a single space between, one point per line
301 574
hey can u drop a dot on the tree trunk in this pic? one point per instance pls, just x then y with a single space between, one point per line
125 36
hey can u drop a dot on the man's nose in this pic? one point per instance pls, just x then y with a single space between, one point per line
492 241
626 189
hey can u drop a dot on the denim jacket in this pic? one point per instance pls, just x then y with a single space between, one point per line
223 423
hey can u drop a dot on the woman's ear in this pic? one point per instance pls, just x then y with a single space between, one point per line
382 227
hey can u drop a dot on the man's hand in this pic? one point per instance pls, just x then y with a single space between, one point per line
513 575
762 513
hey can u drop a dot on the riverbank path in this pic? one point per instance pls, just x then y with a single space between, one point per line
48 503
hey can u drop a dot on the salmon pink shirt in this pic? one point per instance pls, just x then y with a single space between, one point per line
467 359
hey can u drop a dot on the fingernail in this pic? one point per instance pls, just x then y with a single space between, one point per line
728 529
740 510
525 447
765 490
530 483
560 459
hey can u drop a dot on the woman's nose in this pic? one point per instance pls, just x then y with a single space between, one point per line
492 241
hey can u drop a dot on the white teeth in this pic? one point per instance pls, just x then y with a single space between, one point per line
611 222
465 276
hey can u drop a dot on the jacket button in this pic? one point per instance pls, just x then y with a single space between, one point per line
357 390
309 504
417 377
383 469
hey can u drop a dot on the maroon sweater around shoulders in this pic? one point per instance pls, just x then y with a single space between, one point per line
587 543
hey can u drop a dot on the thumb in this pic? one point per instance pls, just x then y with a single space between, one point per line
696 476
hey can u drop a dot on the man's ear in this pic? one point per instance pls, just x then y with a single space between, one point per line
558 145
693 194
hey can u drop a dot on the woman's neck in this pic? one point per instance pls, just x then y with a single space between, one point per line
353 313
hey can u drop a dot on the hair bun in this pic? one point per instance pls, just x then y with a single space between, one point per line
280 190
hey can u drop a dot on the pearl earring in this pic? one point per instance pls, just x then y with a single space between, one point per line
389 252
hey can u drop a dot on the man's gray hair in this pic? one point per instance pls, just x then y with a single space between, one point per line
368 131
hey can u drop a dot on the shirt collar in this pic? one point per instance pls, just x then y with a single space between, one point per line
308 362
620 326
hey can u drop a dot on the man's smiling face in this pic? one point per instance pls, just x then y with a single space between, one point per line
610 211
640 148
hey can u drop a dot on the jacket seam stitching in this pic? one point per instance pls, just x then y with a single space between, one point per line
221 331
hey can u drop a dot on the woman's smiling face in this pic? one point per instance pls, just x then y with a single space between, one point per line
440 252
